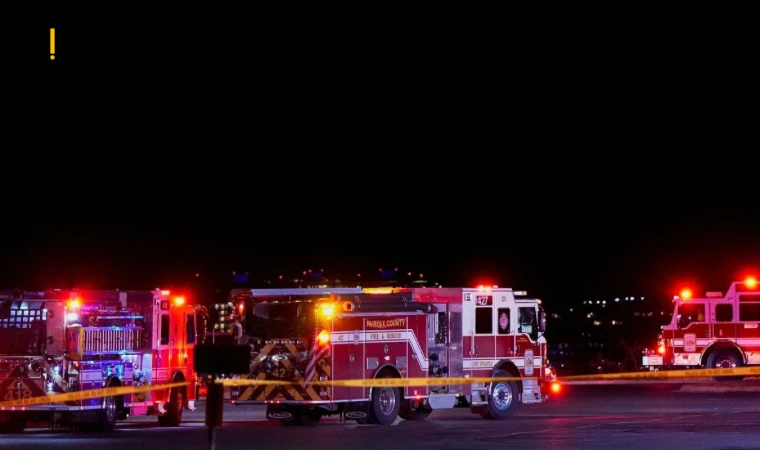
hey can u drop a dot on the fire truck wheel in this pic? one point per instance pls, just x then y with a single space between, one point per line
385 404
413 414
108 414
502 398
724 359
309 419
174 407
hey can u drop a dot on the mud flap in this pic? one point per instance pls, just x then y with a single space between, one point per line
278 413
356 411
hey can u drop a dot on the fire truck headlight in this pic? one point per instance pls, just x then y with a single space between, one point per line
72 317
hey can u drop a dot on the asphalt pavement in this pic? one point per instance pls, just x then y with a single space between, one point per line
631 416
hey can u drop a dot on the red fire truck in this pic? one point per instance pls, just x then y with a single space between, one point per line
56 342
305 335
717 331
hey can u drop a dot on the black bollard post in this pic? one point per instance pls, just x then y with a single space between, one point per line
216 359
214 409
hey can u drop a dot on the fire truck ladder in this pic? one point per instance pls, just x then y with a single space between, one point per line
386 303
293 292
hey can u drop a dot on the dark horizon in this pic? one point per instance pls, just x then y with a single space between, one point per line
550 150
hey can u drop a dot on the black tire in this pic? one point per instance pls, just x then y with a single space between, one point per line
385 404
109 414
406 411
502 397
725 359
413 414
174 408
310 419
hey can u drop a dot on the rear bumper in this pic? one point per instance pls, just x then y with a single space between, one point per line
651 361
48 408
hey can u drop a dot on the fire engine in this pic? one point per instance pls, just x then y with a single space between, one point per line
717 331
305 336
56 342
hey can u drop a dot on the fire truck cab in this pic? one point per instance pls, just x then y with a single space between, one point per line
481 333
716 331
57 342
359 338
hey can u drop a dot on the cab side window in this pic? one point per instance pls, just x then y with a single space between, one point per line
190 328
527 320
503 320
724 313
484 320
690 312
164 329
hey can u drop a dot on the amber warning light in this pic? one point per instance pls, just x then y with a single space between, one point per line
327 309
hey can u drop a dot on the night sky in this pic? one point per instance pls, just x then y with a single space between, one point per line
573 154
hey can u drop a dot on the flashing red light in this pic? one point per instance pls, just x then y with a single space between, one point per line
179 301
556 387
750 282
661 349
685 294
240 308
323 337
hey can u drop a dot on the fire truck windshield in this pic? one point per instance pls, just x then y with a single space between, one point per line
686 313
22 328
281 320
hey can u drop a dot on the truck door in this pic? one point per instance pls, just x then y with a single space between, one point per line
724 325
162 346
190 339
178 341
526 345
479 333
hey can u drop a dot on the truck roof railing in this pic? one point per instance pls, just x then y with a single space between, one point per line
293 291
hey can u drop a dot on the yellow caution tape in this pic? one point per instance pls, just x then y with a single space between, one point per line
684 373
389 382
402 382
82 395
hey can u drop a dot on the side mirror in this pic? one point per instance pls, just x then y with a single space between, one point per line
541 320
